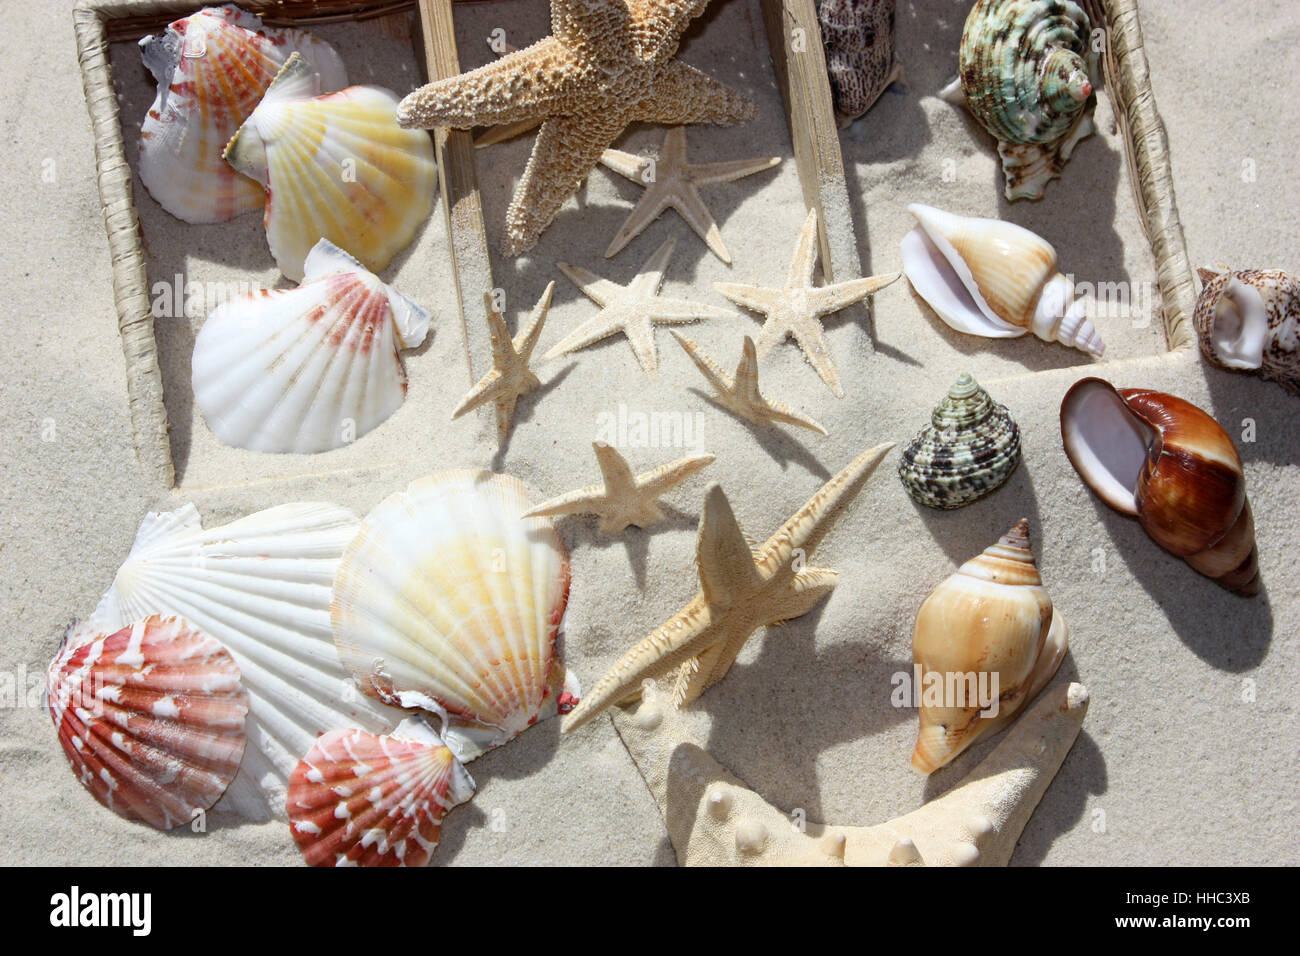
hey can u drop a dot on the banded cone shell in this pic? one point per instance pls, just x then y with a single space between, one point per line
969 449
448 600
335 167
308 369
363 799
994 279
990 621
151 717
1250 321
211 69
1173 467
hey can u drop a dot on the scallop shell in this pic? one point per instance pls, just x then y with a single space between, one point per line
447 599
1250 321
994 279
335 167
211 69
306 369
361 799
993 616
151 717
1027 72
970 447
859 39
261 586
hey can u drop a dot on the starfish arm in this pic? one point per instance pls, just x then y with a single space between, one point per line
641 336
807 588
599 326
778 412
593 24
598 290
662 23
708 173
487 390
534 82
812 339
585 501
526 340
722 555
651 276
747 375
678 311
686 200
506 412
682 94
832 298
503 352
700 673
667 476
613 469
566 150
804 262
755 298
709 368
648 208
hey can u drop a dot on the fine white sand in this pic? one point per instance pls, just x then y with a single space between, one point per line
1187 753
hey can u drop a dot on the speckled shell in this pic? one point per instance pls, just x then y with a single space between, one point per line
859 39
1249 320
151 717
211 69
970 447
1026 69
363 799
335 167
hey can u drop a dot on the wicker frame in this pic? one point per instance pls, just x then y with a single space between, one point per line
807 98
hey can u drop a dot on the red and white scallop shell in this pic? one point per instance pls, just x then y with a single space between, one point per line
151 718
362 799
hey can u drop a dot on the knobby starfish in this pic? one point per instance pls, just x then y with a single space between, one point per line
510 377
796 308
607 63
741 395
741 590
714 819
675 184
633 309
623 499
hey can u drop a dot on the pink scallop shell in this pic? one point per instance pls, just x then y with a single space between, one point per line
362 799
151 718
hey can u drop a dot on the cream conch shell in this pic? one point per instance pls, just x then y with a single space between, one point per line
994 279
993 616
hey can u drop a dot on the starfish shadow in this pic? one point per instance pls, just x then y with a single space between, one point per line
783 447
584 530
524 409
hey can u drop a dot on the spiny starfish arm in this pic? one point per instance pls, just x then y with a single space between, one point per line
812 339
752 297
599 326
657 25
723 556
614 468
804 261
678 311
667 476
538 81
711 370
807 587
598 290
648 208
708 173
651 276
747 374
777 412
584 501
526 340
686 200
832 298
641 336
682 94
566 149
593 24
488 388
505 405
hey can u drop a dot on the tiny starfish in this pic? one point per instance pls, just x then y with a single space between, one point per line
674 185
623 499
796 308
633 309
741 395
510 377
741 590
607 63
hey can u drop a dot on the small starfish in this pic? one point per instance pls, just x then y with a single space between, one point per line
607 63
741 395
742 589
675 185
796 308
622 499
510 377
633 309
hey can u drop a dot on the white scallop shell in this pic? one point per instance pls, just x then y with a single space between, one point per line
261 586
448 600
994 279
335 167
211 69
306 369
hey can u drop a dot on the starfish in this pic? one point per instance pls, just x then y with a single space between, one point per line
674 184
510 377
796 308
633 309
607 63
623 499
714 819
741 395
741 590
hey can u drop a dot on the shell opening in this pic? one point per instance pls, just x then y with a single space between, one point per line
944 280
1240 327
1106 443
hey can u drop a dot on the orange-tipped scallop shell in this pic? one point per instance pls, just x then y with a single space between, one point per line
151 718
362 799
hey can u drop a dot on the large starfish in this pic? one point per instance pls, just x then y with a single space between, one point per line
675 184
510 377
741 395
796 308
607 63
741 590
623 499
633 309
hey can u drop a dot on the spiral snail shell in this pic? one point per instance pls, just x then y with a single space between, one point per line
990 621
1026 72
1250 321
1173 467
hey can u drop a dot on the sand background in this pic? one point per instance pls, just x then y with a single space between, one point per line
1172 760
